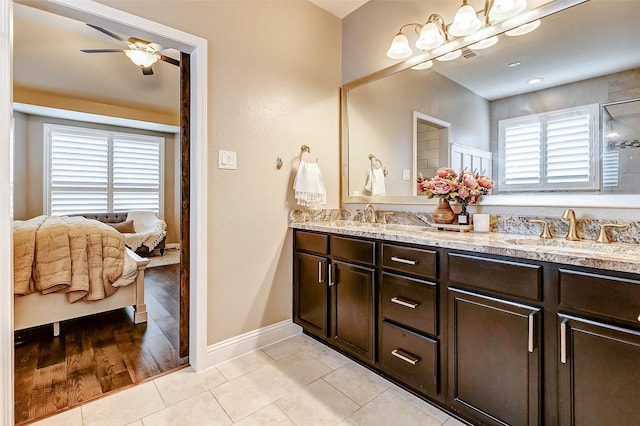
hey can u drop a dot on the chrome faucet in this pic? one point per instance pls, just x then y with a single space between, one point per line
570 215
372 210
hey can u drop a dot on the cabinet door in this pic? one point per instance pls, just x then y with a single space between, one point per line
310 307
494 359
599 373
352 308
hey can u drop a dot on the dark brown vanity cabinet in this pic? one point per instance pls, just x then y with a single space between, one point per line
409 345
599 356
334 291
495 354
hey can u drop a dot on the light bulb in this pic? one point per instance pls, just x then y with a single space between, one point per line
450 56
399 47
430 37
523 29
505 9
483 44
423 66
465 22
141 58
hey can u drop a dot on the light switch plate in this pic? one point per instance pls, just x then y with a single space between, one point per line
227 160
406 174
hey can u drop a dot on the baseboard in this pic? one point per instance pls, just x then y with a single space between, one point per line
169 246
251 341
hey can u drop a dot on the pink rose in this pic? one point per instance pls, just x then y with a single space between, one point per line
463 193
440 187
485 182
469 180
444 172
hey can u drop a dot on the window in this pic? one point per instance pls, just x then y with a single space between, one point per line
94 171
554 151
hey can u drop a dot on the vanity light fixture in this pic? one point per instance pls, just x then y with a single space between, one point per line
450 56
435 32
484 44
523 29
500 10
465 22
423 66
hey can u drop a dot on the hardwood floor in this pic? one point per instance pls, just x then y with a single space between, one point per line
98 354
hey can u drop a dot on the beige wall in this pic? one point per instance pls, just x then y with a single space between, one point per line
274 78
29 166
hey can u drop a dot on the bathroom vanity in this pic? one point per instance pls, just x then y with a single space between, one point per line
495 328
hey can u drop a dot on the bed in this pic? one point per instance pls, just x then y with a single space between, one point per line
46 293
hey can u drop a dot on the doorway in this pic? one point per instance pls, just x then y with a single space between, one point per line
196 47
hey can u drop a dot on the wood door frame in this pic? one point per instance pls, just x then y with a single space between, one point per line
117 20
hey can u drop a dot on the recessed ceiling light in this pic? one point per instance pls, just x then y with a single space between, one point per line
423 66
535 80
514 64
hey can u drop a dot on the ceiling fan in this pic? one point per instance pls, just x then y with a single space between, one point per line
141 52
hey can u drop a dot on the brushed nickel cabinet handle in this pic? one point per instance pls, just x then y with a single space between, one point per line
531 332
331 274
406 357
320 279
405 303
405 261
563 342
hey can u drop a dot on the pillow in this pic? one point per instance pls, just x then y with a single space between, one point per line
125 227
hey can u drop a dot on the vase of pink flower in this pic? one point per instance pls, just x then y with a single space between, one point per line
465 188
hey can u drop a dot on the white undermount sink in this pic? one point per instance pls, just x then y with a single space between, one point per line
574 246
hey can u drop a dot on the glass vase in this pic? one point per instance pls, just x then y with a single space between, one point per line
443 214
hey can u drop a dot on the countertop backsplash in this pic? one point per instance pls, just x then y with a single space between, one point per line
587 229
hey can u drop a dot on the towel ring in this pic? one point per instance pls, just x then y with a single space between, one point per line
303 149
373 159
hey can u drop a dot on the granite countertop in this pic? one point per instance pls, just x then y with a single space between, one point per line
622 257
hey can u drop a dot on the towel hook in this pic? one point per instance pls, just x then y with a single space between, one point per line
373 159
303 149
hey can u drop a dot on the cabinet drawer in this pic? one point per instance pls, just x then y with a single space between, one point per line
511 278
410 302
354 250
311 242
411 358
410 260
613 297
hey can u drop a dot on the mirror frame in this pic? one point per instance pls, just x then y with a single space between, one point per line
510 200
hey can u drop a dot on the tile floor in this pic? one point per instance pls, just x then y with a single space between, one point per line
294 382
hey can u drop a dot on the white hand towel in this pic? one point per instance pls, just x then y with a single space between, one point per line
309 185
375 182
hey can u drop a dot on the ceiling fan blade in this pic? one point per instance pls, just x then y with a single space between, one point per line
170 60
101 50
107 32
147 70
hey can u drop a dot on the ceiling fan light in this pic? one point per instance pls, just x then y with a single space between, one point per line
423 66
142 58
523 29
505 9
430 37
465 22
399 47
450 56
483 44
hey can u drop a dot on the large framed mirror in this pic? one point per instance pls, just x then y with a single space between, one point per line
586 54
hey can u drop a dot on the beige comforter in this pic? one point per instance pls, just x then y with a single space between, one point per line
78 256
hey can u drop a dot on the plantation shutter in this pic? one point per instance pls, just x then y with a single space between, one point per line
610 169
136 174
97 171
79 171
553 151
